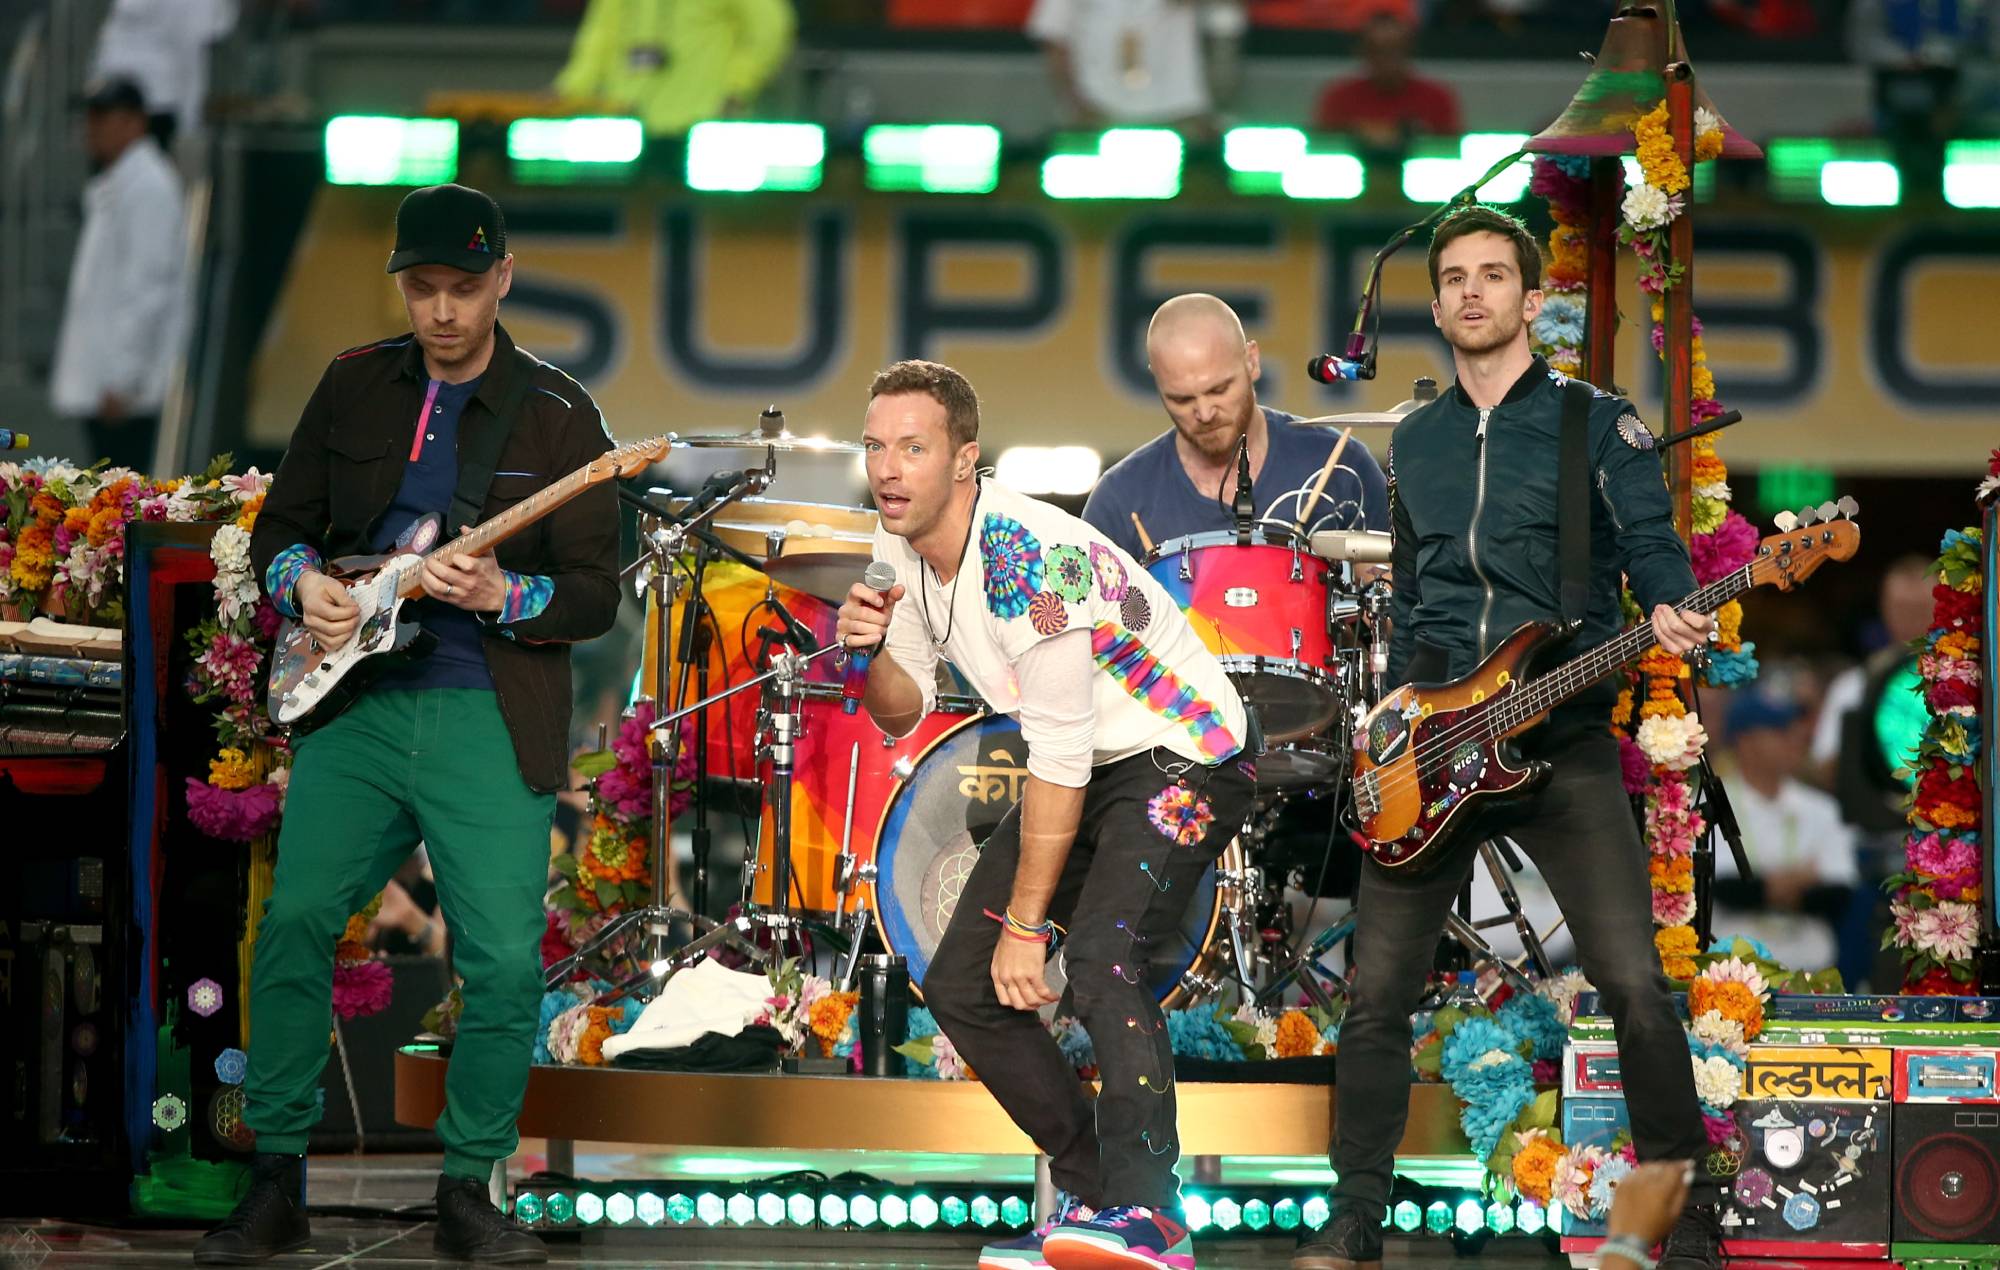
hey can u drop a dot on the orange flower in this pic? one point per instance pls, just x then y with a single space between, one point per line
828 1019
105 524
356 931
1674 875
350 951
1732 1000
247 518
1297 1037
590 1045
1535 1168
1621 714
1946 816
1661 664
47 508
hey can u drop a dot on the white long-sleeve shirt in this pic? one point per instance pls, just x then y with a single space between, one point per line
162 45
123 322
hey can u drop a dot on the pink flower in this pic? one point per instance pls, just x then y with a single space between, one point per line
1670 909
1704 409
1634 765
1948 932
1942 856
362 989
266 620
1660 335
233 815
1729 548
248 485
1720 1128
1547 1071
1955 886
1905 918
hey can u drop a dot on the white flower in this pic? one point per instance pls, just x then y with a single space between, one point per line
1716 1030
1715 489
230 549
1705 121
1563 990
1491 1058
1673 743
184 505
1267 1036
1717 1081
1947 931
1987 489
1647 207
1737 970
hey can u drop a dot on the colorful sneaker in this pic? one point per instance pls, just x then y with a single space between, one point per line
1025 1251
1117 1238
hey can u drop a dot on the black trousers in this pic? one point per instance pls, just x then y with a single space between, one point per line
127 442
1579 831
1125 885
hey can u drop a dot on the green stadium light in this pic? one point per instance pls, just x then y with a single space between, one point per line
562 151
1792 165
384 150
1014 1211
1437 1217
1228 1214
651 1208
1470 1216
742 1209
1116 163
799 1207
739 157
832 1210
1408 1216
589 1209
528 1208
1499 1217
1788 487
1257 1215
1972 173
1861 183
1285 1214
895 1210
1316 1212
955 1211
620 1208
1431 176
932 158
923 1211
1529 1218
680 1209
771 1209
862 1210
1281 161
709 1208
1197 1212
984 1211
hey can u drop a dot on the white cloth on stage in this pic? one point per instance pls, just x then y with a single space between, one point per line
708 997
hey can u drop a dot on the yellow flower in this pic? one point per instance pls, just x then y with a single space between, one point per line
1707 145
231 769
1621 714
1676 946
1703 385
1729 623
1297 1037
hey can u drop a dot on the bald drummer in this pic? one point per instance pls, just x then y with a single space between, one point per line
1184 480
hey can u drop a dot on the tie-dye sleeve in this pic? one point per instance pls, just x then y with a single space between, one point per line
526 595
281 580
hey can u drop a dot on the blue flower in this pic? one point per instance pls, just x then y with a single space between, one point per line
1532 1018
1726 947
1703 1050
1727 669
1574 166
1470 1041
1198 1033
1606 1176
1495 1094
1560 321
1075 1043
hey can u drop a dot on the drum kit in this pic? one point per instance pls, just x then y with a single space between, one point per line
865 835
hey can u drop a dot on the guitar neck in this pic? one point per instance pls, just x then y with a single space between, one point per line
482 539
1573 676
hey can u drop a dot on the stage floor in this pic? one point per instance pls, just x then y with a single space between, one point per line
391 1182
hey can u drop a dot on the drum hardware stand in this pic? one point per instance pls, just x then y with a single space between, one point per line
664 541
848 879
1499 857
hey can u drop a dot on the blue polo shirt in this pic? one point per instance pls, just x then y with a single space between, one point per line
429 477
1152 482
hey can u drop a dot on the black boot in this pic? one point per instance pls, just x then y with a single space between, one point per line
1695 1242
270 1219
1350 1241
469 1228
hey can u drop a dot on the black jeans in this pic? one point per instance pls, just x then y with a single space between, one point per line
1579 831
1125 884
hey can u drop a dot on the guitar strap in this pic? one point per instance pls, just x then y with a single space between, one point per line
479 448
1573 500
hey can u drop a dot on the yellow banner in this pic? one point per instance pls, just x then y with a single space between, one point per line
1817 1071
1855 341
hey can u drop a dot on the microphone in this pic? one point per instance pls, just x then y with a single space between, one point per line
717 484
793 629
1246 497
12 440
1330 369
880 576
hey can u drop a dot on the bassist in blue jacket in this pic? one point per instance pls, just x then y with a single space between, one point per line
1473 503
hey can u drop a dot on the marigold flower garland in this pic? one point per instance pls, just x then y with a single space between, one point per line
1936 897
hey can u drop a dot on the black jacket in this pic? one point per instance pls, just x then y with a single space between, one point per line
344 465
1475 532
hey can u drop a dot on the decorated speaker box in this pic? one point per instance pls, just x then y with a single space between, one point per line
1947 1147
1806 1172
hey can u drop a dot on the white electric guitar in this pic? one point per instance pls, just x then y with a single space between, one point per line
307 678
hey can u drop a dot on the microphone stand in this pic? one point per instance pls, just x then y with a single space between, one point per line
1245 507
1721 817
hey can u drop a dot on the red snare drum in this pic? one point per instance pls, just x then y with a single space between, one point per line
832 744
1262 610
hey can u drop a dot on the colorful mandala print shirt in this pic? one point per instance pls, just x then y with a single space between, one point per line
1033 571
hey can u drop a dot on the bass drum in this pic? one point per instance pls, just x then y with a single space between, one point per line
941 813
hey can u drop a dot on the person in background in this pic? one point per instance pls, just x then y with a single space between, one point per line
1801 854
123 319
162 45
1130 61
1905 615
1388 102
674 65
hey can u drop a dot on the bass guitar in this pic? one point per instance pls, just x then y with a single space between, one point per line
307 678
1430 754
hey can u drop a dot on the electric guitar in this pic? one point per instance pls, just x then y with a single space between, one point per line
309 679
1429 754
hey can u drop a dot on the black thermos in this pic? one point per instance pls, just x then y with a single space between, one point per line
885 1013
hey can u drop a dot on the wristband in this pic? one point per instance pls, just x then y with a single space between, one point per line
1629 1248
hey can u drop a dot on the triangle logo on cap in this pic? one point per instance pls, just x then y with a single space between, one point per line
478 242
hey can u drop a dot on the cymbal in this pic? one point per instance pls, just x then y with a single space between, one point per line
1368 418
757 439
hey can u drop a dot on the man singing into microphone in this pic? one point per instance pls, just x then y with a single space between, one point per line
1184 480
1139 761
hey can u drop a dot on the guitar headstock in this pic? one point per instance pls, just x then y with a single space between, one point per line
628 460
1805 540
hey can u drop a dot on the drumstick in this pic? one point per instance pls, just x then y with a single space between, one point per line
1332 461
1145 540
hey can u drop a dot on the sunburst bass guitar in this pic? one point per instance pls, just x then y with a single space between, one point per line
1429 755
308 679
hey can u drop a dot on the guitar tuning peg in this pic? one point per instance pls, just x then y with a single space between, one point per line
1807 516
1828 510
1785 521
1849 507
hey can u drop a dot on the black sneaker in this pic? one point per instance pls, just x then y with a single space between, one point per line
268 1221
1348 1242
469 1228
1695 1242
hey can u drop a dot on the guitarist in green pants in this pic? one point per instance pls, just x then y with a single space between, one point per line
1474 497
462 749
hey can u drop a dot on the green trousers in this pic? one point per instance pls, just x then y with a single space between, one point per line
395 769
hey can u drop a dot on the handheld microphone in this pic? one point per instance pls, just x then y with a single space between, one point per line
1246 496
880 576
12 440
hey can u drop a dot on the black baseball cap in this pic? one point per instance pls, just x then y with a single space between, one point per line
449 225
113 92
